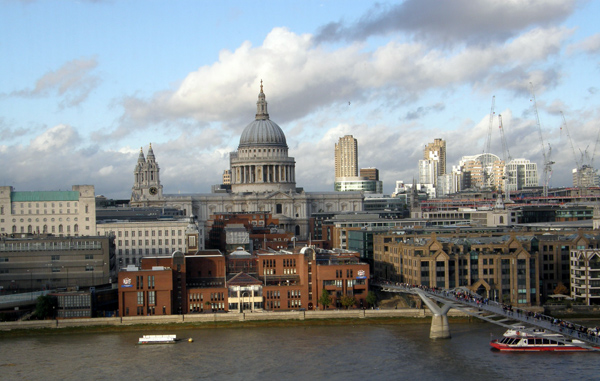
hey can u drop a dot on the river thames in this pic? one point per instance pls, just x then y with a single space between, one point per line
344 352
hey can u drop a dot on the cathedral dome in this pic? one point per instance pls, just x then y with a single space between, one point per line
262 131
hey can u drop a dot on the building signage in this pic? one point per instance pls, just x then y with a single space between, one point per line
361 274
126 282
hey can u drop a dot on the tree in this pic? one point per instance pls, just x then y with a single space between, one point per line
347 301
45 306
325 299
561 289
371 298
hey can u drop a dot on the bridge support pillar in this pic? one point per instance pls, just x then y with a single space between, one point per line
440 329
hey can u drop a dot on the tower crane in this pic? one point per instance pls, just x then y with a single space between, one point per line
547 162
486 148
577 164
595 146
506 156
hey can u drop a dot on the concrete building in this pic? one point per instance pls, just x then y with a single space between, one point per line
520 174
157 237
61 213
346 157
227 177
437 149
263 180
35 262
585 176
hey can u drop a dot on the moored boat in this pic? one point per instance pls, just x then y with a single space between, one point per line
515 340
158 339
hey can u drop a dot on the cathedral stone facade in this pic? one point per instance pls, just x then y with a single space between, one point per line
262 180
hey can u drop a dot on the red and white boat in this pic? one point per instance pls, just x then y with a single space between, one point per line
517 340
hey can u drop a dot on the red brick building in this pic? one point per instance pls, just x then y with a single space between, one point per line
269 280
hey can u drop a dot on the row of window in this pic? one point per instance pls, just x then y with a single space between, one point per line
147 251
148 242
147 233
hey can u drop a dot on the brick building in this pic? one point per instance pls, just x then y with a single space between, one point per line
209 281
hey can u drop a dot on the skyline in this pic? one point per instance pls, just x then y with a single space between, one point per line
87 83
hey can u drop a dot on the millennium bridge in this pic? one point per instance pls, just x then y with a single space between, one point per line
462 299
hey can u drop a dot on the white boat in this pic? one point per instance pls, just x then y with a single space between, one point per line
517 339
158 339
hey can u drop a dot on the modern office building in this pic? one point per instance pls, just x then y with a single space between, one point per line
521 174
34 262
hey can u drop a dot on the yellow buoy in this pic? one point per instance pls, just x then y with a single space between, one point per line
190 340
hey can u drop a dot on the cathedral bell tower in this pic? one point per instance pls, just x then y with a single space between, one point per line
146 185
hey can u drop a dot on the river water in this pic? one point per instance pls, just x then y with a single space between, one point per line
373 352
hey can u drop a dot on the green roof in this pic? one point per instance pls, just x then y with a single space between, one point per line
44 196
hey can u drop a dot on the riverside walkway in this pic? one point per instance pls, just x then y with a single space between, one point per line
472 304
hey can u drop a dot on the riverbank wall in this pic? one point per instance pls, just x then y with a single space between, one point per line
222 317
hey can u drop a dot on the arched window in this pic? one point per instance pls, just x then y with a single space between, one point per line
30 229
60 228
14 229
76 228
45 229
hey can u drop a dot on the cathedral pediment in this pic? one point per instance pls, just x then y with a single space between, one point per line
279 195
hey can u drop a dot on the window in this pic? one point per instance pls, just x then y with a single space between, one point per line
151 297
140 297
55 257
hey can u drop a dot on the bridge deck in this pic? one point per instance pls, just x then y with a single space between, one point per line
495 313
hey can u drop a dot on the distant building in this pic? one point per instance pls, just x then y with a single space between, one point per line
62 213
346 157
227 177
370 173
585 176
437 150
521 174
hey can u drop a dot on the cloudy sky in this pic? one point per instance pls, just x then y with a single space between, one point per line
85 84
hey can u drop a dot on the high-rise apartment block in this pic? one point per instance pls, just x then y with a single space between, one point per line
346 157
437 148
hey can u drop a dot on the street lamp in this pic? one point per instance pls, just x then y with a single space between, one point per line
30 283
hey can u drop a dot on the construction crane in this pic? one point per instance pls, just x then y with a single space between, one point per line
506 156
595 146
547 162
577 164
486 148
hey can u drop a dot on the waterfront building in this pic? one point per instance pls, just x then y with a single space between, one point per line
61 213
34 262
262 180
269 280
502 268
585 274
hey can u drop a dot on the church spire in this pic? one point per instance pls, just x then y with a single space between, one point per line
141 158
261 105
151 157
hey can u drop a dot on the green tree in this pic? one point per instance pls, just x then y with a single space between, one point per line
371 298
347 301
325 299
45 307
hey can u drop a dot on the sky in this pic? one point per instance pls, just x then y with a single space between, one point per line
85 84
